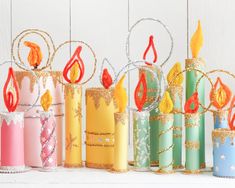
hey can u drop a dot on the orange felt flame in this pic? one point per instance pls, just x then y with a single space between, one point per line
106 79
11 91
35 54
152 46
220 97
231 119
75 59
193 100
141 89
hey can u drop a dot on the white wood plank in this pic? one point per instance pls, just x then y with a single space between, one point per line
219 42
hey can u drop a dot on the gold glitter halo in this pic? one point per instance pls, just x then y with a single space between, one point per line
43 34
203 75
83 43
212 72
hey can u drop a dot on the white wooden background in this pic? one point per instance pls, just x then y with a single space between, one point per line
104 24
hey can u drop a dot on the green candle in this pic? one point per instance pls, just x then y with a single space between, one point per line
176 96
141 140
192 143
153 118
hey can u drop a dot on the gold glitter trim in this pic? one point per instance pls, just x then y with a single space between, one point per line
165 131
178 166
222 114
176 91
194 63
195 117
97 93
163 171
55 75
154 118
222 134
166 149
192 171
71 89
164 118
99 145
120 118
95 133
66 165
99 166
154 163
192 145
177 128
177 135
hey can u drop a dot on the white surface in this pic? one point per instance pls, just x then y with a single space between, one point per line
104 25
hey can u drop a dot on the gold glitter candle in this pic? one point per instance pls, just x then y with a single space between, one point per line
99 128
73 125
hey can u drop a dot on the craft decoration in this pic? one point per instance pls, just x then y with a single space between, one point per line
141 99
192 77
48 134
231 118
152 46
107 80
121 129
175 89
192 101
35 54
166 135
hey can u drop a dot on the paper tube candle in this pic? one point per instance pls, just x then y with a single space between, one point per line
175 90
223 148
48 133
166 145
73 74
219 98
191 80
12 128
151 93
141 129
121 129
100 109
192 141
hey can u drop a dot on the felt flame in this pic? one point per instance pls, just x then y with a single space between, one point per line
196 41
120 95
76 71
46 100
171 77
11 91
35 54
231 119
152 46
192 104
141 92
220 97
166 104
107 80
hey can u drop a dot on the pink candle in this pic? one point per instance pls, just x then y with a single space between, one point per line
48 140
12 140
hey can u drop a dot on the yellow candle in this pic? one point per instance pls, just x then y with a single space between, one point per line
73 125
121 129
100 108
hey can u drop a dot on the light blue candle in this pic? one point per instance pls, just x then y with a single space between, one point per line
220 119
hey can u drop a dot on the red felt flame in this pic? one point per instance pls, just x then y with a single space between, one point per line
231 119
150 45
140 100
10 88
192 100
106 79
74 59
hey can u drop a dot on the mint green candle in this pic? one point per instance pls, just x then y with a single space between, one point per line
166 143
152 86
192 143
191 81
141 140
176 96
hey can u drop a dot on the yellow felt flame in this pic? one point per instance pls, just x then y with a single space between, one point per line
74 72
220 96
196 41
166 104
171 77
46 100
120 95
